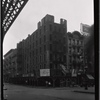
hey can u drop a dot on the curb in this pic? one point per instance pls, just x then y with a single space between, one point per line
85 92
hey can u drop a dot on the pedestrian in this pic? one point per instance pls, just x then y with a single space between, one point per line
46 83
86 85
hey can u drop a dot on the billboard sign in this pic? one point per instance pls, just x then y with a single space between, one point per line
85 29
44 72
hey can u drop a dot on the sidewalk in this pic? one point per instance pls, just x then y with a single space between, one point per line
90 90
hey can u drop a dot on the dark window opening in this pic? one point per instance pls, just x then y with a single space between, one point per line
50 27
51 47
44 38
40 40
44 58
40 59
50 37
44 28
36 43
77 42
51 57
40 50
44 48
44 65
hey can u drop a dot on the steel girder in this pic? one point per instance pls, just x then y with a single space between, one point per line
10 11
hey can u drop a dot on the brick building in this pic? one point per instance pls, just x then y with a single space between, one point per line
76 61
40 54
10 65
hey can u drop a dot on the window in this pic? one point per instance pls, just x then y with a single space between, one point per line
33 61
50 27
81 42
78 50
54 66
51 57
44 38
33 53
36 43
44 65
51 65
64 48
44 48
74 49
40 59
70 60
51 47
73 41
69 41
40 50
36 60
77 42
40 67
54 57
36 51
40 40
44 57
64 58
50 37
30 54
81 50
70 50
44 28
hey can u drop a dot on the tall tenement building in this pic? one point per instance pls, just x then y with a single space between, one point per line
42 52
10 65
76 61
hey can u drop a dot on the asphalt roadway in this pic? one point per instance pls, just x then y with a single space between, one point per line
17 92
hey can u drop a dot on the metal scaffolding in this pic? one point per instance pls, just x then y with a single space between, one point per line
10 11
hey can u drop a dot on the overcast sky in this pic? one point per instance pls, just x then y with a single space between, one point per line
74 11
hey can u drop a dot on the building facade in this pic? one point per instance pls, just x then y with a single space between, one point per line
75 55
10 64
50 55
42 52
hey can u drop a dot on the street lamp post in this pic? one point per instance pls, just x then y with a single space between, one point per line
85 72
86 86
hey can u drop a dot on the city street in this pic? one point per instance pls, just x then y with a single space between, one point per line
16 92
48 52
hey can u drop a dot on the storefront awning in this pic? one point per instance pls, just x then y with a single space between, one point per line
90 76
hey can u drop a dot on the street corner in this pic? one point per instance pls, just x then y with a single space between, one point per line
85 90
